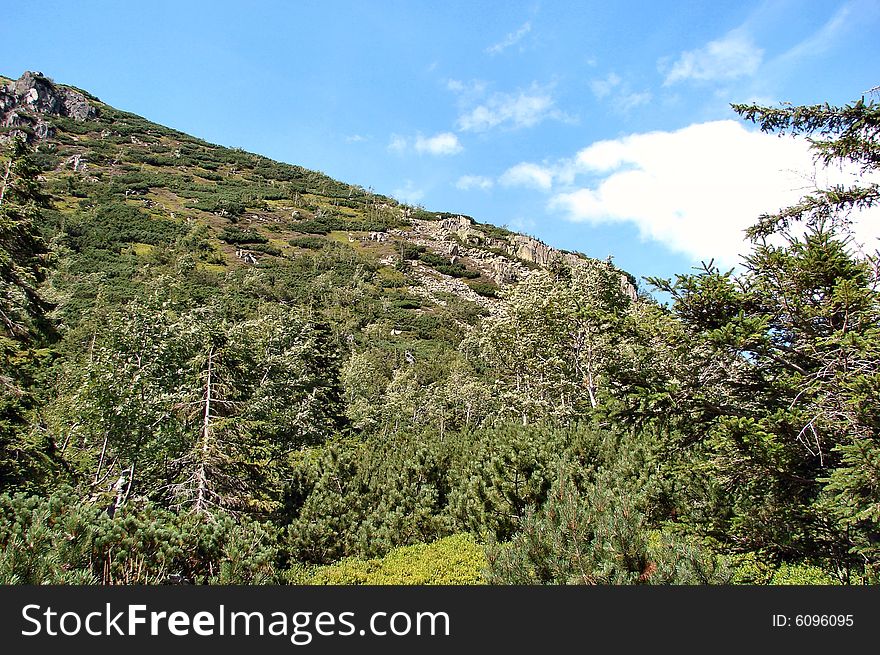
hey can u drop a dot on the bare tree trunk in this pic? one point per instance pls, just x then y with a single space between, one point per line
101 460
201 472
122 496
5 180
591 380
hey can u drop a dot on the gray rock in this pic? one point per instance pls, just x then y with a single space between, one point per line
25 102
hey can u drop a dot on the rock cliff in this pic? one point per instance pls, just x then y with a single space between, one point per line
25 102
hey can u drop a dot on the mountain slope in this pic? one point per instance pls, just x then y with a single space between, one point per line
147 185
235 336
215 367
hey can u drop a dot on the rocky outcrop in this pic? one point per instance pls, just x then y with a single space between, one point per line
504 259
432 286
26 102
537 252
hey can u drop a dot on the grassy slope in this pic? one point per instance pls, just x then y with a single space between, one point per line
129 198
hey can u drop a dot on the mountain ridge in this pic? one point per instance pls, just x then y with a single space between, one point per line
457 254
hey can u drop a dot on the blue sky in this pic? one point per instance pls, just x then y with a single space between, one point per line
602 127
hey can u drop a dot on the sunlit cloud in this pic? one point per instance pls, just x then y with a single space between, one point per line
442 144
510 40
468 182
528 175
511 110
732 56
696 189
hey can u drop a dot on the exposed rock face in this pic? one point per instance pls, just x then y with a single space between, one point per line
25 102
463 228
538 252
505 259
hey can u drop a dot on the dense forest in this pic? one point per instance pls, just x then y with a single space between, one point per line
220 369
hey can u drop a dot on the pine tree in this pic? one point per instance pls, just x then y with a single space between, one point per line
25 456
22 252
776 392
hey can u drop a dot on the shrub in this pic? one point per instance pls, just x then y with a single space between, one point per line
446 266
453 560
266 248
117 223
64 539
801 574
486 289
234 235
311 227
310 243
598 536
411 251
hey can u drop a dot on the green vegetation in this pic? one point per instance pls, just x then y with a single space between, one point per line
445 265
310 243
486 289
455 560
171 412
235 235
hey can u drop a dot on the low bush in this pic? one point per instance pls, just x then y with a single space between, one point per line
453 560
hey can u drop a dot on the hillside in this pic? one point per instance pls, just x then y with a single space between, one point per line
248 210
218 368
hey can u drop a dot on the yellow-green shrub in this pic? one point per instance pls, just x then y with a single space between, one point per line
454 560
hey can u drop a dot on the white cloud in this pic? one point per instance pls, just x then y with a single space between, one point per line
467 182
619 92
355 138
732 56
696 189
602 155
456 86
468 91
528 175
515 110
408 193
397 143
627 101
604 86
511 39
522 225
445 143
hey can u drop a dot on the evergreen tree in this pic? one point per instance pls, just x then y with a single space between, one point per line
838 135
26 455
196 411
776 397
23 253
